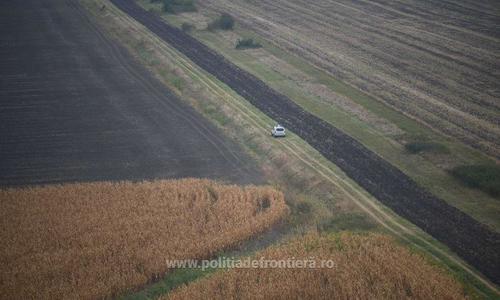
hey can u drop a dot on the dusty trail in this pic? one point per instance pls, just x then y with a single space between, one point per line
472 241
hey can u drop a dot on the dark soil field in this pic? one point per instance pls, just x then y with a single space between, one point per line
74 106
471 240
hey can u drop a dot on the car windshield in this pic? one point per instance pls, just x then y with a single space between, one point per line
280 129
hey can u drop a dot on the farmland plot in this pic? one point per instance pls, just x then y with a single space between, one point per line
435 61
75 106
97 240
365 267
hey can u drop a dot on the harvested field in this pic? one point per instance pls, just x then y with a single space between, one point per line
471 240
436 61
366 267
95 240
75 106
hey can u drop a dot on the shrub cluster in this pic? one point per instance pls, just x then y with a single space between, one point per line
224 22
178 6
432 147
247 44
483 177
187 27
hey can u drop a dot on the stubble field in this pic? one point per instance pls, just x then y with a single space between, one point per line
435 61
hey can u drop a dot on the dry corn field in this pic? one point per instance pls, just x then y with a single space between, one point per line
436 61
368 266
94 240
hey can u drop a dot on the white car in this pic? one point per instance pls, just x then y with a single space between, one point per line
278 131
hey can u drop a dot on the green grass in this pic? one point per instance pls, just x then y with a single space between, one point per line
428 147
348 221
145 54
215 114
483 177
187 27
473 287
247 43
178 6
223 22
174 279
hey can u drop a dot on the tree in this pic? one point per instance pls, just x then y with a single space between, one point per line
224 22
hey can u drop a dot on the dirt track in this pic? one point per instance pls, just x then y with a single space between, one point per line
74 106
472 241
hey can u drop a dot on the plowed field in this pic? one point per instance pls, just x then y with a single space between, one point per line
75 106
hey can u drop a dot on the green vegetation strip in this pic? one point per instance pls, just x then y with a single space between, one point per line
483 177
174 279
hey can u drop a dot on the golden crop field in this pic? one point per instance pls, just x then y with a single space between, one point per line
367 266
94 240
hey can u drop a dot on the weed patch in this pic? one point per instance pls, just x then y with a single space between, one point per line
483 177
431 147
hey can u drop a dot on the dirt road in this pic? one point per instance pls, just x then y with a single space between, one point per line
74 106
474 242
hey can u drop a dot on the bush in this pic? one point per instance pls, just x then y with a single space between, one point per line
304 207
186 27
247 44
483 177
178 6
418 147
224 22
